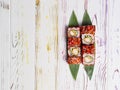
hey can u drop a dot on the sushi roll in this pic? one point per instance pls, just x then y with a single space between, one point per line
74 32
74 60
73 45
88 49
72 41
89 29
74 51
88 59
88 44
88 34
88 54
87 39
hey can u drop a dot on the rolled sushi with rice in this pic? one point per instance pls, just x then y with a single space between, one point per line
88 59
88 34
73 45
88 54
74 32
74 51
88 44
87 39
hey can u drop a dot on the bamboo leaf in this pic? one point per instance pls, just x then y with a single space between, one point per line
87 21
74 68
73 20
89 70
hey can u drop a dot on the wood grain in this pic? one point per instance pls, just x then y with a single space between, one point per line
4 44
22 45
46 45
33 45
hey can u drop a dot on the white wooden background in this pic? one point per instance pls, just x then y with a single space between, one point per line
33 49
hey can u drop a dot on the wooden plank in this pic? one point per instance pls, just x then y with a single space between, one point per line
4 44
46 45
33 48
22 45
113 47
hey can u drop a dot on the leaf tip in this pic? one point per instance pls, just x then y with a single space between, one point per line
89 71
74 68
74 77
73 20
73 11
86 19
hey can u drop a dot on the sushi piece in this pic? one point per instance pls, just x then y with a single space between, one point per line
88 59
74 32
74 60
72 41
88 49
73 45
87 39
89 29
88 54
74 51
88 34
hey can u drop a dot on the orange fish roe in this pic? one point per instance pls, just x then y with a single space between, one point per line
88 49
74 60
90 29
72 41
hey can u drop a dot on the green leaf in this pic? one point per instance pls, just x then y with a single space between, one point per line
86 19
74 68
89 70
73 20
